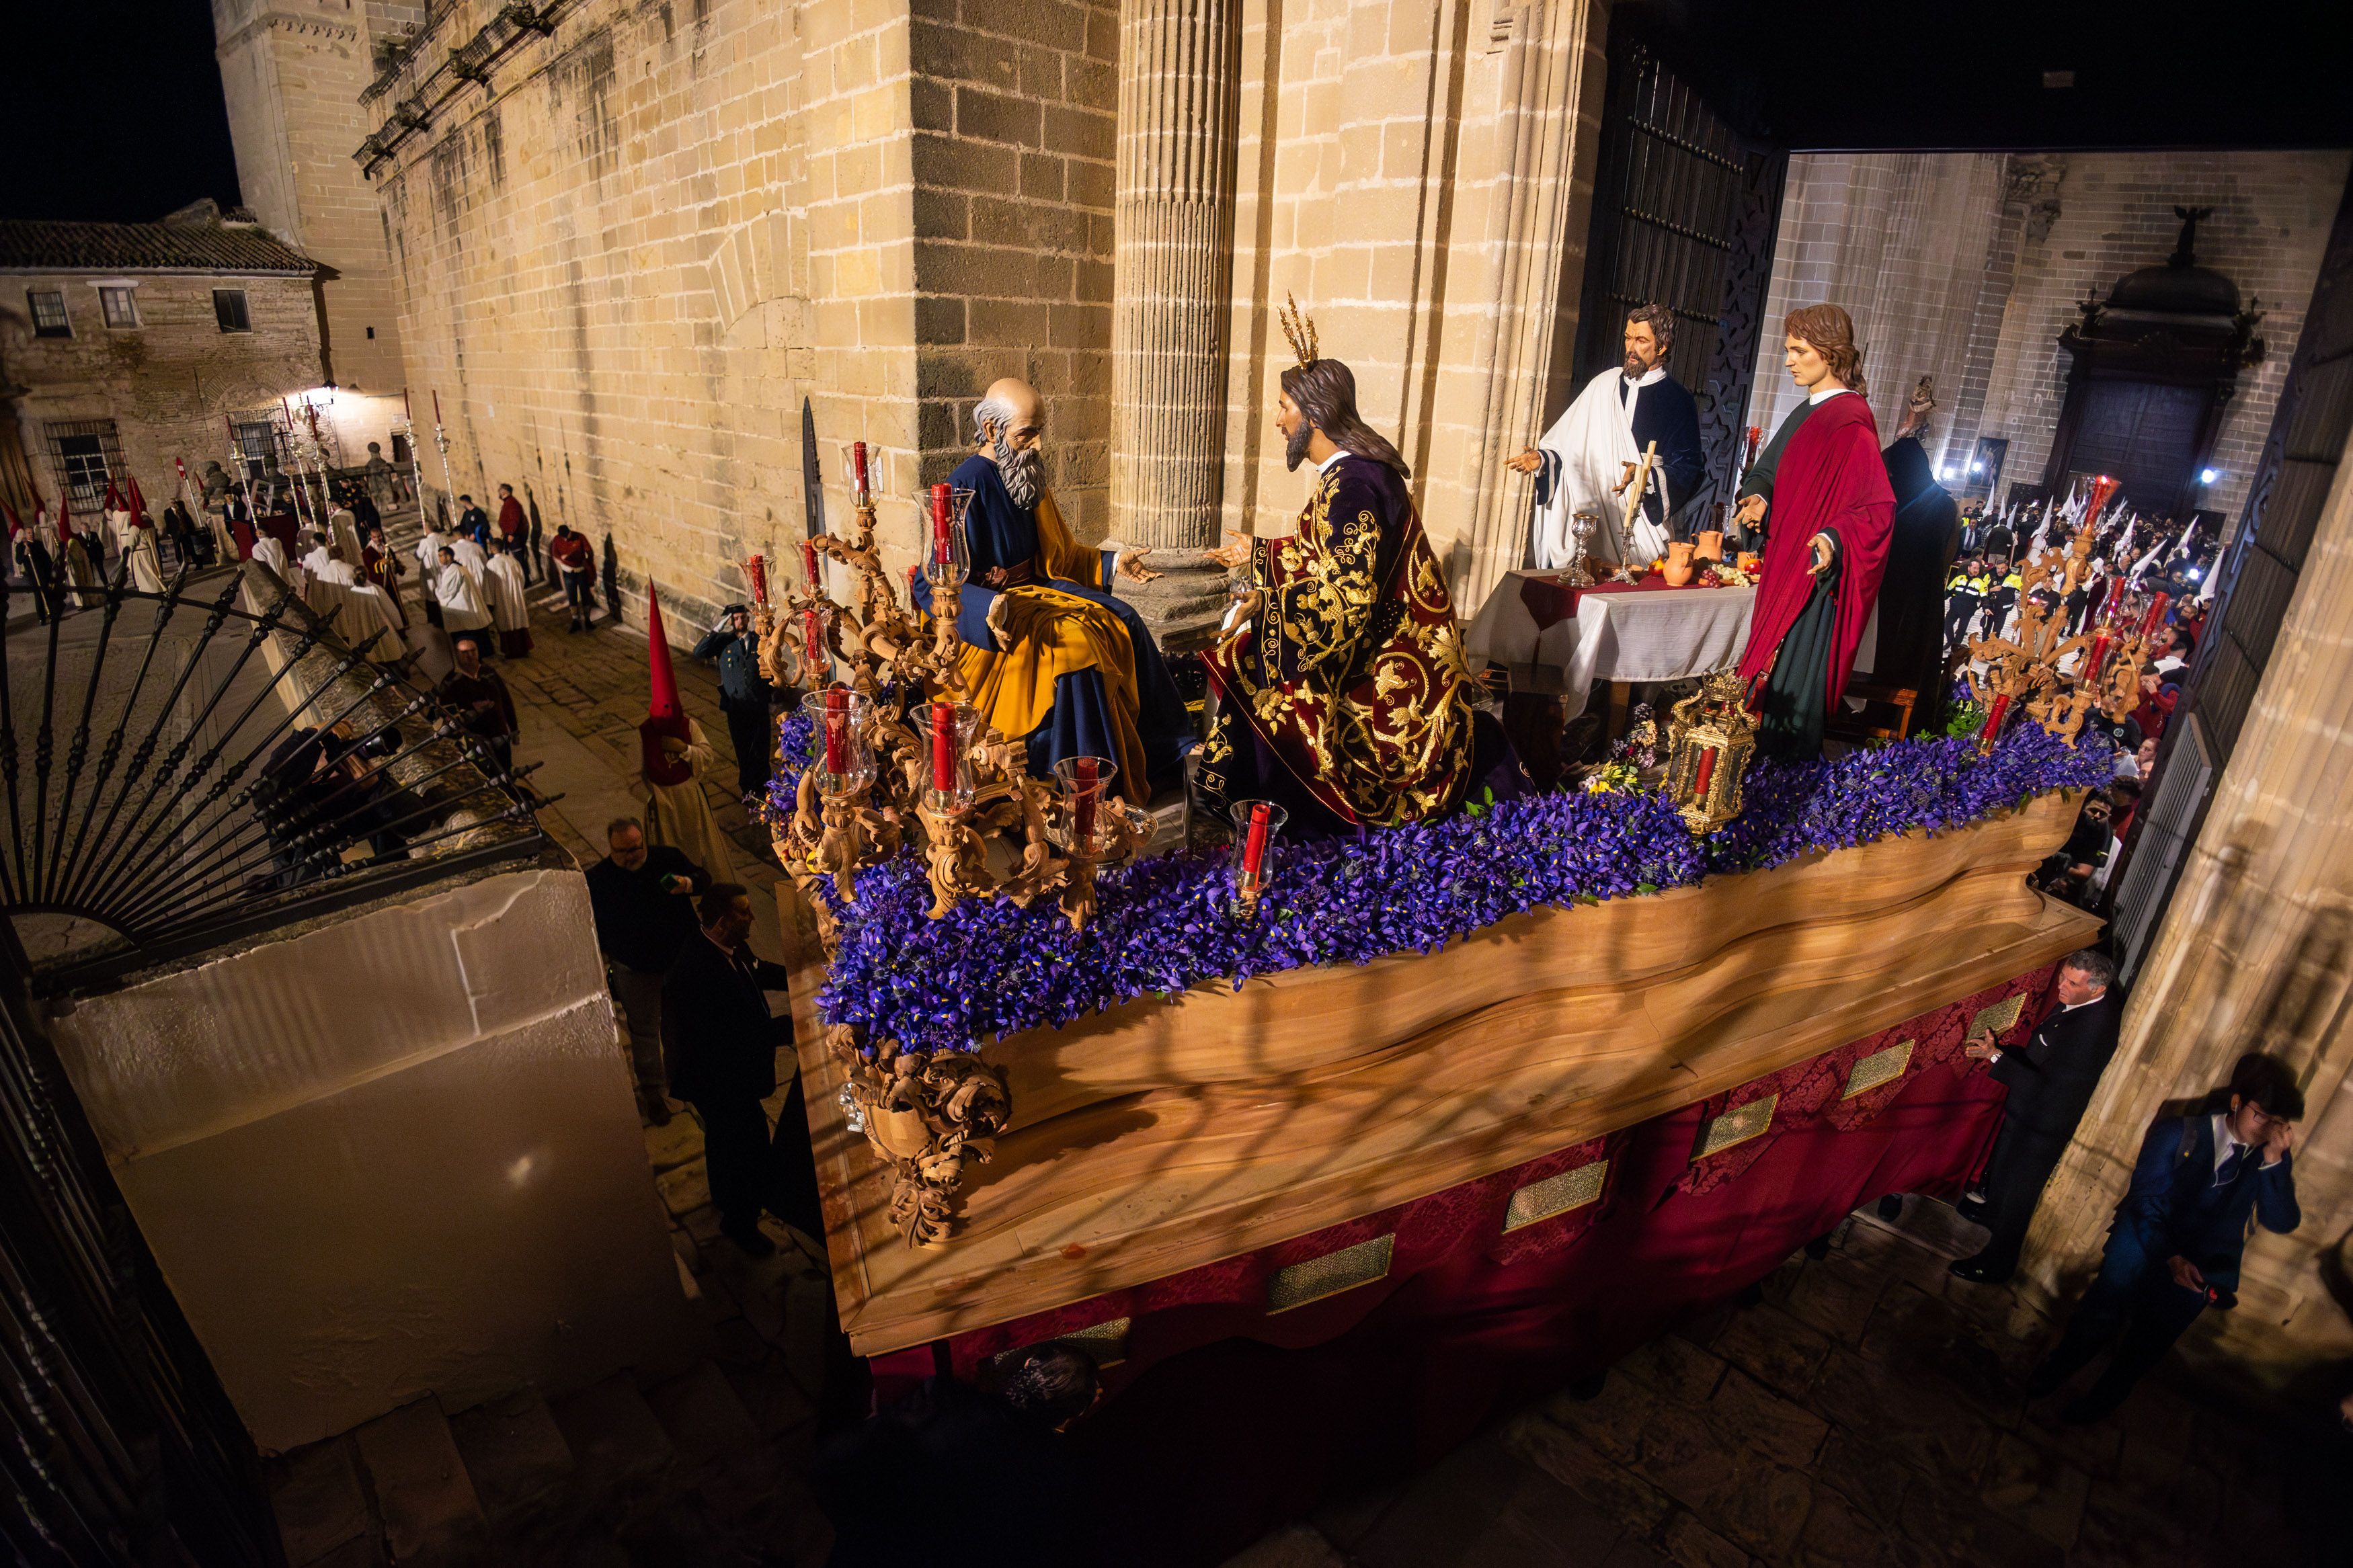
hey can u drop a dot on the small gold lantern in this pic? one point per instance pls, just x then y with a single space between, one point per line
1711 736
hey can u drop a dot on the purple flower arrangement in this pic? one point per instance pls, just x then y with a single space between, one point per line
1163 925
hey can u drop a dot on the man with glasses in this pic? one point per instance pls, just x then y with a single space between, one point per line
2202 1184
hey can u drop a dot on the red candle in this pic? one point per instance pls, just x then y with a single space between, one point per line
813 638
2115 598
1756 434
943 747
837 730
1082 800
2094 665
808 569
1254 846
1994 716
858 461
942 540
436 405
757 568
2156 617
1707 772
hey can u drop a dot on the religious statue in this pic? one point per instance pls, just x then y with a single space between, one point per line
1343 689
379 474
1051 658
1924 538
1820 492
1583 458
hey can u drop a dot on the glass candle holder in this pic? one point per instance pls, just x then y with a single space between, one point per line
1082 821
951 733
861 463
948 552
844 750
1256 822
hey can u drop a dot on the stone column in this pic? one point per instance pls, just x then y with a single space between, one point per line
1179 77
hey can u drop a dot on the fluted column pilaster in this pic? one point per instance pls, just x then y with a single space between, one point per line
1179 78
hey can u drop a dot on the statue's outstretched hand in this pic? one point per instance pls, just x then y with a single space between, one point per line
1751 512
1132 566
1527 462
1235 553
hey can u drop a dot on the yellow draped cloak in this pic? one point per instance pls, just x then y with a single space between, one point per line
1049 634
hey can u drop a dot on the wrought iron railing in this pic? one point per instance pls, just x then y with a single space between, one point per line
117 1443
182 768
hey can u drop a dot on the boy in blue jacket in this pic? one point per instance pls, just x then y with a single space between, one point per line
2202 1184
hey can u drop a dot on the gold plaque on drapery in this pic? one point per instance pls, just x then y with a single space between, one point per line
1330 1274
1105 1342
1999 1019
1571 1189
1879 1068
1737 1126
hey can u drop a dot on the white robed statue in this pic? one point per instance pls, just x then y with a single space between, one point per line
1583 462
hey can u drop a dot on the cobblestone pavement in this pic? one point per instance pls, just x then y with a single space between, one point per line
1864 1408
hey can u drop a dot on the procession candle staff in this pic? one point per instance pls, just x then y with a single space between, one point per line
245 483
416 452
441 443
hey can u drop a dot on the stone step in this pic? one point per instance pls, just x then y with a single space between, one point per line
703 1414
319 1500
426 1500
618 1442
516 1455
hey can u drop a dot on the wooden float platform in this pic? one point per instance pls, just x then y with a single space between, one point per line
1166 1134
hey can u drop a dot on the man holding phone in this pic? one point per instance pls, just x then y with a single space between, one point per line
643 897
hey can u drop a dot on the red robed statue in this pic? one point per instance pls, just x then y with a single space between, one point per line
1830 520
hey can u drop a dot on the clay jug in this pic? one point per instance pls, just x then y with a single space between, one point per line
1679 567
1711 546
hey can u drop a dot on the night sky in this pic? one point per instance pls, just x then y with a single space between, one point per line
111 110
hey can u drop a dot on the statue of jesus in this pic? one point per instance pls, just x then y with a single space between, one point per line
1343 687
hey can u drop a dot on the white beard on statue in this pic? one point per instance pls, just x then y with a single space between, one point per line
1585 456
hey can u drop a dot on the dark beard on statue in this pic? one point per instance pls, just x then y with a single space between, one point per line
1294 446
1635 368
1020 472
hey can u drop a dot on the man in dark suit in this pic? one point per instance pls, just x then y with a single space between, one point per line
2050 1080
642 896
720 1043
2200 1184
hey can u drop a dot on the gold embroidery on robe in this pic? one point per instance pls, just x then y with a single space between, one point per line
1357 682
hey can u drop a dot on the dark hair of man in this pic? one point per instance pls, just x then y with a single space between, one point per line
716 904
1832 333
463 497
1050 1384
1662 323
2266 1081
621 825
2094 966
1325 392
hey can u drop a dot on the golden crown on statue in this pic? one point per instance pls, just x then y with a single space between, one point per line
1299 329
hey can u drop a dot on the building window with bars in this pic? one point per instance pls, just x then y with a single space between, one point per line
119 302
83 454
48 307
228 308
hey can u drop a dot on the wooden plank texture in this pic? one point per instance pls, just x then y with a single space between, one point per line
1163 1135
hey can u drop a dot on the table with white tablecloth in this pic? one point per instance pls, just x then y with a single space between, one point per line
1557 641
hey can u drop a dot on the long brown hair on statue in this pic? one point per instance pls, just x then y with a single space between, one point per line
1827 328
1325 392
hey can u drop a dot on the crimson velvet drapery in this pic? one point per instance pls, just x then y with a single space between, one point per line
1222 1420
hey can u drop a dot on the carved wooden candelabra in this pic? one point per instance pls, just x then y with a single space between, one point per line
998 833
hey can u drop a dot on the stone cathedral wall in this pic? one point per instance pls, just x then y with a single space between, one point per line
625 260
